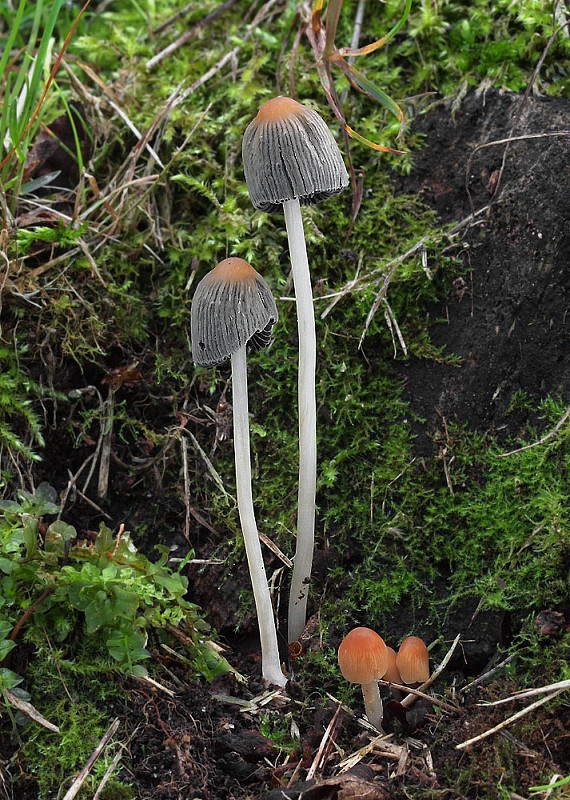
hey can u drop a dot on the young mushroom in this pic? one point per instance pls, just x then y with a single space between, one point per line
363 658
413 660
290 158
233 309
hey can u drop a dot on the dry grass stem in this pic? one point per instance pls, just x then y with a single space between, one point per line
107 775
488 674
380 744
392 323
529 693
544 439
188 34
415 693
326 735
509 720
29 710
274 549
80 779
210 467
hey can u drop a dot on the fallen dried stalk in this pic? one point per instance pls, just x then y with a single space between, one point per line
274 549
324 740
482 678
508 721
80 779
108 774
529 693
29 710
415 693
173 46
545 438
381 743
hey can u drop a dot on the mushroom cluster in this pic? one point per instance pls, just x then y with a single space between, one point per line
364 658
290 158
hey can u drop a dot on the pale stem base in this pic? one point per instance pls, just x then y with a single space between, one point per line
373 704
270 664
307 421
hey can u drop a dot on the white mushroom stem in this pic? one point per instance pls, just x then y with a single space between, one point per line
307 421
373 704
270 664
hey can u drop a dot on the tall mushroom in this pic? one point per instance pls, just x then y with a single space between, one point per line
233 308
290 157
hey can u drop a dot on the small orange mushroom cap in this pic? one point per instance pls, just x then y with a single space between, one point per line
413 660
362 656
392 674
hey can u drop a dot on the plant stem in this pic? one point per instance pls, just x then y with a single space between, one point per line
307 421
270 664
373 704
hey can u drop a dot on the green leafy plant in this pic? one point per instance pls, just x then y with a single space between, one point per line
103 586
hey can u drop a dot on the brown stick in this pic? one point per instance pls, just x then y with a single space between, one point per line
80 779
189 34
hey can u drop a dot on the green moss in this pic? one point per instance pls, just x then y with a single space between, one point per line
78 703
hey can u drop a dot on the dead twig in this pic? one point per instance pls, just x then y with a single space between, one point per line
544 439
415 693
378 744
189 34
81 778
261 15
326 736
529 693
29 710
482 678
105 449
108 774
508 721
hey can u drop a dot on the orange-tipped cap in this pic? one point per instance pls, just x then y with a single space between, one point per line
288 151
232 306
413 660
362 656
392 674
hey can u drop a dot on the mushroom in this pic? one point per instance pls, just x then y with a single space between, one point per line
413 660
392 674
291 157
233 308
363 658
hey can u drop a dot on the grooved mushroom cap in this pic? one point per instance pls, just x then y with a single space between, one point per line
288 151
362 656
392 674
413 660
232 306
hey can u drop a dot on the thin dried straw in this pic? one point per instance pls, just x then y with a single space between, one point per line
508 721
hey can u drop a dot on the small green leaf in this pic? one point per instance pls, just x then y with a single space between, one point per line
9 679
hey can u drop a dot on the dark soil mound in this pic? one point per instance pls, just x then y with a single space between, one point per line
507 317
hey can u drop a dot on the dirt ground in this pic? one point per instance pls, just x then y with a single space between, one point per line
507 317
